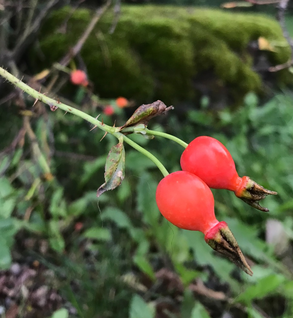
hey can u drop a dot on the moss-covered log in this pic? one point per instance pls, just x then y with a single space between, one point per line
170 53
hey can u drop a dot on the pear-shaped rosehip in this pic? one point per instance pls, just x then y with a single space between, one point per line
187 202
210 160
78 77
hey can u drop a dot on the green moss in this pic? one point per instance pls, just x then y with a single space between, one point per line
164 52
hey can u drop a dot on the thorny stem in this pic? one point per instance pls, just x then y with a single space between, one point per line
51 102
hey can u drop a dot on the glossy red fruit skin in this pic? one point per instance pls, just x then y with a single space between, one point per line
210 160
186 201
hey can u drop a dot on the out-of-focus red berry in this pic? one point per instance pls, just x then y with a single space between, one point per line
78 226
79 77
122 102
109 110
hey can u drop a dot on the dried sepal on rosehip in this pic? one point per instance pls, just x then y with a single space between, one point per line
188 203
221 239
210 160
251 193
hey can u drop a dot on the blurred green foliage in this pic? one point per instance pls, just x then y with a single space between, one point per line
169 53
110 252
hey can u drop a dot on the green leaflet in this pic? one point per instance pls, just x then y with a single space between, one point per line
114 169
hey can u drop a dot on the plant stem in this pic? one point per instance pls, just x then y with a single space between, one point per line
51 102
171 137
147 154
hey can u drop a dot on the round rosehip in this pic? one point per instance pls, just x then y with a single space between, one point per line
121 102
210 160
109 110
78 77
187 202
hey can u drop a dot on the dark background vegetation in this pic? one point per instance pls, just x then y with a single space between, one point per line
65 253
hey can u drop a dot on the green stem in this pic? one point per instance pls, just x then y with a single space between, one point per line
51 102
147 154
171 137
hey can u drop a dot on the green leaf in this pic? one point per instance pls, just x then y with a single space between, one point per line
117 216
199 311
261 289
4 164
98 233
124 191
143 264
201 118
204 255
55 238
254 246
8 228
251 99
186 275
78 207
16 157
137 162
58 206
187 304
114 169
140 309
143 245
61 313
79 96
5 256
146 199
253 313
90 168
7 198
287 290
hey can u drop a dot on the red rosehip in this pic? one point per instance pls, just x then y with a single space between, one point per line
79 77
210 160
122 102
108 110
187 202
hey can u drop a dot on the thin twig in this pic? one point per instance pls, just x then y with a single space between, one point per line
78 46
282 7
30 15
117 12
15 142
73 156
63 27
9 97
28 36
